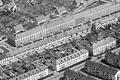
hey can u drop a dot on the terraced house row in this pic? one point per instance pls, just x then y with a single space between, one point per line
72 75
65 23
113 58
37 46
55 59
38 65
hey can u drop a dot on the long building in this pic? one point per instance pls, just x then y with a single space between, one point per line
60 24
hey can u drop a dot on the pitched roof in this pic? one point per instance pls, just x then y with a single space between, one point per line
61 10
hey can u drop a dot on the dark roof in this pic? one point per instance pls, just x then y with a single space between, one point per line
78 76
112 56
101 67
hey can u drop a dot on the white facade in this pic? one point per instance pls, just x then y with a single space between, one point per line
39 49
103 45
69 22
73 59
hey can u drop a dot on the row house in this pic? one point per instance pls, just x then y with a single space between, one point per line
102 71
36 33
61 39
103 45
71 59
72 75
70 21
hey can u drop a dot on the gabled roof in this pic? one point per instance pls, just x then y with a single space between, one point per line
61 10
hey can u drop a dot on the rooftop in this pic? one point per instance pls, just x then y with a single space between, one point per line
116 50
101 67
57 22
79 75
112 56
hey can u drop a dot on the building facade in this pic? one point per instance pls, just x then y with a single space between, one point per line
103 45
72 59
60 24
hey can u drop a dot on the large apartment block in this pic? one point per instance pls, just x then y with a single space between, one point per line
52 27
